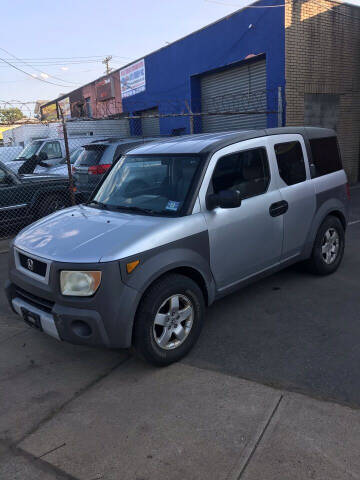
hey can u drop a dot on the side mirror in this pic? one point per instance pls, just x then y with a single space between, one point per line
224 199
43 156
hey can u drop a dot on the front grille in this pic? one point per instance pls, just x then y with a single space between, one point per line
38 302
33 265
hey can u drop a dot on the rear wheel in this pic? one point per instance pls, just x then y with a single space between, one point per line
169 320
328 247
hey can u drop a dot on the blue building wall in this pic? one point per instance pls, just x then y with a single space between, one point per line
172 80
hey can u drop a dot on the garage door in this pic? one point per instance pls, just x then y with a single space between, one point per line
237 89
150 125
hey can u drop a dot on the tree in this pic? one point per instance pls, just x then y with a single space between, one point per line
10 115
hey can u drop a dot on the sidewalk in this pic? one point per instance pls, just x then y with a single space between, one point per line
188 423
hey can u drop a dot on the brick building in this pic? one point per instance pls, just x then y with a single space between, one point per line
273 65
322 58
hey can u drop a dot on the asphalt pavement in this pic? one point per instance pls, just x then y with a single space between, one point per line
270 391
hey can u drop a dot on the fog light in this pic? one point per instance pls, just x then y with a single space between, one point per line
81 328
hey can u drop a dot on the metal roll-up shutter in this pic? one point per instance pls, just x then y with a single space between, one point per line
150 125
237 89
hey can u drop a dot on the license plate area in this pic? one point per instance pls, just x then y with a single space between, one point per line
32 319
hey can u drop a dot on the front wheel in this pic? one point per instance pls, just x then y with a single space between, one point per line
328 247
169 320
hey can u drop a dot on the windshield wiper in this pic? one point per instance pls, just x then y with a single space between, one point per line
133 208
99 204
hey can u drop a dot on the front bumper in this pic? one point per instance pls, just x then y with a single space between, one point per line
105 319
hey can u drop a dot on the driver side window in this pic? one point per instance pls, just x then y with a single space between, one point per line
52 149
246 171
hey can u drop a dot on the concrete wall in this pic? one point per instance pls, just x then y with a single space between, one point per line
322 50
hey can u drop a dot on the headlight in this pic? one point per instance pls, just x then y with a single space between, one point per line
79 284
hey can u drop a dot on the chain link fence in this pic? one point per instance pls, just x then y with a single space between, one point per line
49 165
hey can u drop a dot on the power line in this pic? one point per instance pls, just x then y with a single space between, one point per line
65 58
35 78
246 6
36 70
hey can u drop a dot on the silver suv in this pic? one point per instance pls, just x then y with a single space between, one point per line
138 264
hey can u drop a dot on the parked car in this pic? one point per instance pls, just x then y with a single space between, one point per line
137 267
61 168
96 159
26 198
51 151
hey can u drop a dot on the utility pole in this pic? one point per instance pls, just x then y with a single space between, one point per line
106 63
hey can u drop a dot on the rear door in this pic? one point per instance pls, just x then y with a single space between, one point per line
296 189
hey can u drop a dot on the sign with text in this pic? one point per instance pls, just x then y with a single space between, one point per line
49 112
64 107
132 79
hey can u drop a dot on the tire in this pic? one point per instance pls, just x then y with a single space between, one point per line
170 340
325 259
50 204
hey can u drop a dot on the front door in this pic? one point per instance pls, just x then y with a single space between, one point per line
53 152
13 200
248 239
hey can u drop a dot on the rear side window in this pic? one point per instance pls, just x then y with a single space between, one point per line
246 171
290 160
325 155
91 155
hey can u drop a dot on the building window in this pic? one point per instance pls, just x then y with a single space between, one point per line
88 107
290 160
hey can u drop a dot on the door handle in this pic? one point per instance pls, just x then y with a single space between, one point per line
278 208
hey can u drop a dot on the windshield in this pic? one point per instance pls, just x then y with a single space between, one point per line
29 150
151 184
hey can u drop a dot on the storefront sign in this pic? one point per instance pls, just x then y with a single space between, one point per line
49 112
132 79
64 107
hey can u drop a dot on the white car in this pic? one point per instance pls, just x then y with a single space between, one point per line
61 167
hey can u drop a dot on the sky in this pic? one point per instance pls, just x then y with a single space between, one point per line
63 31
88 28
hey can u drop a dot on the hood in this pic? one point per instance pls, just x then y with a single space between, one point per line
83 234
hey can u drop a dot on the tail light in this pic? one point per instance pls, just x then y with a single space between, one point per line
348 191
99 169
73 169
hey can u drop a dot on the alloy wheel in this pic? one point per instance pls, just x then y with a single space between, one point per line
173 322
330 246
